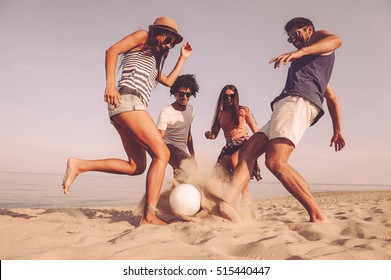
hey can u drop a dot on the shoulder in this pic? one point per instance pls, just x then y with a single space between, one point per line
141 36
189 110
244 110
141 33
321 34
137 39
166 109
189 107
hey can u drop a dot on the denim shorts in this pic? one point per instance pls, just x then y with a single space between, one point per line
130 101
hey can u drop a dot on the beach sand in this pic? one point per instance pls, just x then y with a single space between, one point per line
277 229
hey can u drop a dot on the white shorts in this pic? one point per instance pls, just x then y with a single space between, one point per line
291 116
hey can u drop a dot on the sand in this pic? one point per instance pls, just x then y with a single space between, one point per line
275 229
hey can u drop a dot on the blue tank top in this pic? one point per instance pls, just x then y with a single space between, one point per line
308 77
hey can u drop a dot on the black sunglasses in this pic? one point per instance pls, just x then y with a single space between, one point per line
168 40
182 94
295 35
226 96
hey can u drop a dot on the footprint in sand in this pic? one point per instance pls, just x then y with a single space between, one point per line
354 231
317 231
305 231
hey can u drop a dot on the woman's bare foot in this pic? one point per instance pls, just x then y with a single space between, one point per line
70 174
152 220
151 217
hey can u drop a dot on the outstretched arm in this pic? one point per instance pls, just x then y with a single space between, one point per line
321 43
335 112
171 78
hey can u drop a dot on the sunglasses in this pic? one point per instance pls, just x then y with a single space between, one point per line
168 41
182 94
226 96
295 35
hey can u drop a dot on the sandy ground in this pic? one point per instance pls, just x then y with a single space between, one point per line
274 229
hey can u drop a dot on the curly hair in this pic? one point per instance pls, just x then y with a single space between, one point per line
298 22
186 81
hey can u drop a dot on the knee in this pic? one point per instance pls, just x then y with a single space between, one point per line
260 141
274 164
255 146
164 154
139 167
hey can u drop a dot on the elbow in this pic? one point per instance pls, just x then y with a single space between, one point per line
337 42
331 99
165 82
168 84
109 51
112 52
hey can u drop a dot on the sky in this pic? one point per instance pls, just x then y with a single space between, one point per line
52 78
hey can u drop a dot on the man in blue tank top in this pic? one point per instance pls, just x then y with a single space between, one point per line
297 107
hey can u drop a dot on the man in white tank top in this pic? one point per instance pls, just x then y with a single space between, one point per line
175 121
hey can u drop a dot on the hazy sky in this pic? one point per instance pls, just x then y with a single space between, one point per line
52 78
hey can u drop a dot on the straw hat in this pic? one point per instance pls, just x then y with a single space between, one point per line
167 23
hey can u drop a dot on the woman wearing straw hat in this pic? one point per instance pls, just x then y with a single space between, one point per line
143 56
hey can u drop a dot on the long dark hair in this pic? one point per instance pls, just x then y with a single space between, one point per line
221 106
150 45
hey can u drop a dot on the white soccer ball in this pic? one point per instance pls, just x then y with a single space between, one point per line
185 200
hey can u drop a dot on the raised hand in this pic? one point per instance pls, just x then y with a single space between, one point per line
186 50
286 58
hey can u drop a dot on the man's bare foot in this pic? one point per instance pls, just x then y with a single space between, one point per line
71 173
324 221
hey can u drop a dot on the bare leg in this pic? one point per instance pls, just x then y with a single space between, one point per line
140 125
139 134
245 159
277 155
225 164
77 166
229 164
117 166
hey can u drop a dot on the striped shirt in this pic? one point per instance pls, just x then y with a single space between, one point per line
139 72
